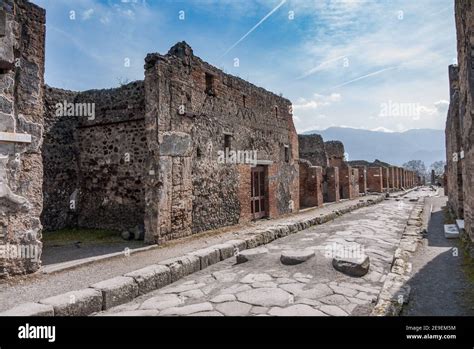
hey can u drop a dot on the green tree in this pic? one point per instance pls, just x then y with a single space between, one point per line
416 165
438 167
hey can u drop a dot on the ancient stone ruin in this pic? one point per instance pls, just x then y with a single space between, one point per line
459 125
187 150
326 176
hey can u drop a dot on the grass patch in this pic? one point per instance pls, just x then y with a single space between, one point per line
84 236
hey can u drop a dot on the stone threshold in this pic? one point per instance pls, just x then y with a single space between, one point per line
123 289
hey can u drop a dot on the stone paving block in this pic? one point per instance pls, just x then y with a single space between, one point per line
295 310
76 303
188 309
151 278
226 250
234 308
116 291
207 256
30 309
254 240
239 245
265 297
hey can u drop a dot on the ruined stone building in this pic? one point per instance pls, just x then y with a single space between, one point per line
187 150
459 123
152 156
325 175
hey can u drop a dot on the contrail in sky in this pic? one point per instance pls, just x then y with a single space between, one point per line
254 27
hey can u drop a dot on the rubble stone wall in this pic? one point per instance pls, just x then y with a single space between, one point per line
94 177
22 42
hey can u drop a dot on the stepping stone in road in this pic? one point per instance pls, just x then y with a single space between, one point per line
358 266
293 257
250 255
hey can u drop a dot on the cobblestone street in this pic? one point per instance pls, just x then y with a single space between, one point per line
264 286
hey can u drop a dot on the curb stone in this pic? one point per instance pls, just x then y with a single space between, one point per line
123 289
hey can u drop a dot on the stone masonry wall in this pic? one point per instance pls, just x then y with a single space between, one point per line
453 147
95 162
312 148
464 10
22 41
193 111
60 152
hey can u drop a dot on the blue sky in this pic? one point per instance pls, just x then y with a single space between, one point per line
340 62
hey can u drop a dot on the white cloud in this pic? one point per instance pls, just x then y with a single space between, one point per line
317 101
87 14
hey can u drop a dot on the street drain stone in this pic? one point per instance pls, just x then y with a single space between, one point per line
293 257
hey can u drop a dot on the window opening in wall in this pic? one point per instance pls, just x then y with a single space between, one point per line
198 153
244 101
210 84
276 111
287 153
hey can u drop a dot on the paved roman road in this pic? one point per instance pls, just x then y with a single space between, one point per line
264 286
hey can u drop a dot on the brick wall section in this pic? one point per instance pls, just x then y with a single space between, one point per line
362 172
21 111
208 194
385 178
311 185
374 179
392 179
331 181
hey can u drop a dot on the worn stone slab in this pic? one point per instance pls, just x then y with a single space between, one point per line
234 308
151 278
333 310
223 298
254 240
250 255
188 309
295 310
352 266
30 309
161 302
177 270
226 250
116 291
76 303
293 257
135 313
239 245
265 297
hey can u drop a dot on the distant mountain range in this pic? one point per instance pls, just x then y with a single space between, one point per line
395 148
